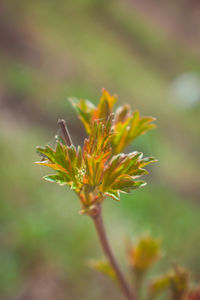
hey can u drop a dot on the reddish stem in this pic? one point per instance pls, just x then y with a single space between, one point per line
65 132
98 221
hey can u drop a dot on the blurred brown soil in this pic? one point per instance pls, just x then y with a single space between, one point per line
45 284
179 19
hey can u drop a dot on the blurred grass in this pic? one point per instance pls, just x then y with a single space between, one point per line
76 49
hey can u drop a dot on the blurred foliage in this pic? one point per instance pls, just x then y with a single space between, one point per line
177 281
176 284
103 267
144 254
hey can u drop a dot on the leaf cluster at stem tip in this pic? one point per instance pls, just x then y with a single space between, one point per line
100 169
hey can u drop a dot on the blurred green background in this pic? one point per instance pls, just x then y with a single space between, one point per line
148 52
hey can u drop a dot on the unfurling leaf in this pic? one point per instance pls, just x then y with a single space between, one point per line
127 125
85 110
59 178
88 113
176 281
67 161
122 172
144 254
158 286
179 282
103 267
94 172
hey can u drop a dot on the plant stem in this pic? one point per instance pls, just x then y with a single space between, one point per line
138 281
98 221
65 132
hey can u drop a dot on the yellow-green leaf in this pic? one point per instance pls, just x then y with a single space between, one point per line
104 267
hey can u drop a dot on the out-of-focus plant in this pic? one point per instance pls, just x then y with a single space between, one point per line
141 257
176 283
98 170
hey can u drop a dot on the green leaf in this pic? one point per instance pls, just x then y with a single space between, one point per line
179 282
122 172
99 143
113 194
67 161
176 281
85 110
105 106
158 286
144 253
59 178
103 267
122 113
46 152
89 114
128 127
125 184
